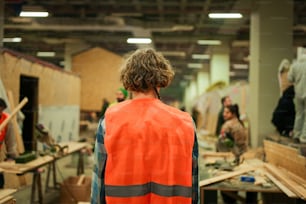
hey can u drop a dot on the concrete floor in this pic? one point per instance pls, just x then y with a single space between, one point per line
67 167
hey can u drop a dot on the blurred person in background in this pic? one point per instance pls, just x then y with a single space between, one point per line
297 75
225 101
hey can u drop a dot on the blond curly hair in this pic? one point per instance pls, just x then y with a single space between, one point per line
145 70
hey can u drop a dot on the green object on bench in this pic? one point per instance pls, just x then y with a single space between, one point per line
24 158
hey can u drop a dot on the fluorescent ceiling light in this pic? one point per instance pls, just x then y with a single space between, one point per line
225 15
209 42
200 56
195 65
139 40
16 39
45 54
34 14
240 66
173 53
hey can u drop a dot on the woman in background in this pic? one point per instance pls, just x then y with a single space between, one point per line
233 135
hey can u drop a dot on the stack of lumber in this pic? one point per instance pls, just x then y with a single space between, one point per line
286 168
286 157
6 196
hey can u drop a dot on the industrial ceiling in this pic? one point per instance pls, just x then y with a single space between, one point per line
175 26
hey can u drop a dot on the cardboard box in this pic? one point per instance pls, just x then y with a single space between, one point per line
71 192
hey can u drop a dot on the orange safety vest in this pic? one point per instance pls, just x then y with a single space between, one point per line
149 153
4 130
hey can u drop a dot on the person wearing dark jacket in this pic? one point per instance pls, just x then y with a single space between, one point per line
284 113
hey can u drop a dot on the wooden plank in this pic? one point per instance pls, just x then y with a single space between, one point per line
226 176
16 168
296 178
12 167
8 200
80 180
287 191
293 186
73 146
259 180
19 140
6 192
286 157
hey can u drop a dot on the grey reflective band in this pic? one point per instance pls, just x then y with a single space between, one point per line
140 190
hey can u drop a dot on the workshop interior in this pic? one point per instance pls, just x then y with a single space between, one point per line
60 63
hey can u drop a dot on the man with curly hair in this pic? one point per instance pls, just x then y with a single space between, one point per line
145 151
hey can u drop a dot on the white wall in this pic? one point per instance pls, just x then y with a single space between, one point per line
62 121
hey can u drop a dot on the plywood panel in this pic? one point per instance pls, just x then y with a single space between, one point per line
10 72
99 72
56 87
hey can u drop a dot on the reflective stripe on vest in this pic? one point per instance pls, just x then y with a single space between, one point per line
4 130
140 190
149 158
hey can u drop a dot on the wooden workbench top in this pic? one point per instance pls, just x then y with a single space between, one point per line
21 168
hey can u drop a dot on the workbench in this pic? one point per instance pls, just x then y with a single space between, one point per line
6 196
35 167
247 191
209 193
73 147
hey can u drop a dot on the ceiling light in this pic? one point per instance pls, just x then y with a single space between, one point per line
240 66
16 39
174 53
139 40
200 56
34 14
225 15
209 42
195 65
45 54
